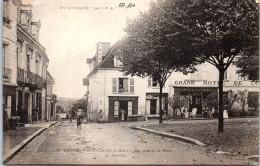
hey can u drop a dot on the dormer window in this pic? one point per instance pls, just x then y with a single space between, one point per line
118 59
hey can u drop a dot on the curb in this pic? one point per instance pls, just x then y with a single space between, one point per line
175 136
11 153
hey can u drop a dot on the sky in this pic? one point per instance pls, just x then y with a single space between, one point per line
69 35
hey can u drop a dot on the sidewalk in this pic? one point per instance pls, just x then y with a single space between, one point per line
239 139
14 140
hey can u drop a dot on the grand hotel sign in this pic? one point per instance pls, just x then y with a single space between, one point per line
209 83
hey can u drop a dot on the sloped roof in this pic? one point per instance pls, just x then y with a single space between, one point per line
108 62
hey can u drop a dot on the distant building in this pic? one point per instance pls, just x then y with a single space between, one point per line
112 96
51 99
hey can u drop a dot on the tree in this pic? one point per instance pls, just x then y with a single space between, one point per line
248 67
146 51
242 100
215 31
60 109
253 100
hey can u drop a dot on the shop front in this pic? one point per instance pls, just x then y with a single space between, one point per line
152 104
121 108
192 97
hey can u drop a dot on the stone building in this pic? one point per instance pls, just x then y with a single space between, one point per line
24 63
9 54
51 99
112 96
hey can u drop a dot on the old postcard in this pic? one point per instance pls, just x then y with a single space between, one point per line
130 82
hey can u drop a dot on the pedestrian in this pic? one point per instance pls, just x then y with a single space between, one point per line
182 112
5 118
79 116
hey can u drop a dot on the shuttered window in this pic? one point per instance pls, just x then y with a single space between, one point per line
130 107
149 81
132 85
114 87
116 107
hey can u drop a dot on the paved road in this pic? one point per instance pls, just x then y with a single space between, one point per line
111 143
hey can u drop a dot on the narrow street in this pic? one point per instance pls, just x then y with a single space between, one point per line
111 143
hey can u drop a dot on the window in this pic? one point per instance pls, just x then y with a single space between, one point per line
118 59
196 76
241 78
225 75
132 85
130 107
152 82
6 11
116 107
4 55
37 65
28 63
122 85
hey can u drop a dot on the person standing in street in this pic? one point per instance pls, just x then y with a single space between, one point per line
79 117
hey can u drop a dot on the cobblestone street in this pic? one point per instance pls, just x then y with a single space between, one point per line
111 143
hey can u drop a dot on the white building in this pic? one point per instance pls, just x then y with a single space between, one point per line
110 91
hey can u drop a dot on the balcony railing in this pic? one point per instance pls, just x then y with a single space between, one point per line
39 82
7 73
29 78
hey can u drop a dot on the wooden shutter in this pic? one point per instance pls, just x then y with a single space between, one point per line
149 81
132 85
116 107
125 85
114 82
130 107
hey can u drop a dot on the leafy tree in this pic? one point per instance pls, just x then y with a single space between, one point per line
242 99
212 100
146 52
60 109
253 100
248 67
81 103
215 31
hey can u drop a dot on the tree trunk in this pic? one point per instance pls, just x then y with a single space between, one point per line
220 90
160 104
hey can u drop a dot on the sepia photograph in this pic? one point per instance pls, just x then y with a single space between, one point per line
130 82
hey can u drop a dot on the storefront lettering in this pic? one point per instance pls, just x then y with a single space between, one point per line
210 82
187 82
237 83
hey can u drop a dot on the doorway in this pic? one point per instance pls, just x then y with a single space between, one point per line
196 103
153 107
123 110
24 117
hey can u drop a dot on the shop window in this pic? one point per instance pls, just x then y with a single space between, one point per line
130 107
116 107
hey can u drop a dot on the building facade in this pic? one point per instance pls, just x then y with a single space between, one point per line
115 97
24 64
51 99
